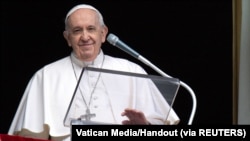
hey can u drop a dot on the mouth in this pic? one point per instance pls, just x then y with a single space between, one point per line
86 46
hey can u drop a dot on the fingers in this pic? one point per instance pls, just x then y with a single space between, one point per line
133 114
134 117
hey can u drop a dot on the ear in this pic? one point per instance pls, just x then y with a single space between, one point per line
104 33
66 37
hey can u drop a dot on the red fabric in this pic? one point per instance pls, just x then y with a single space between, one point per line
5 137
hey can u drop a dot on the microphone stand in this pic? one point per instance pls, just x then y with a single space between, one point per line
147 62
114 40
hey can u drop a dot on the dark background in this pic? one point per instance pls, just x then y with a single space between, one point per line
188 39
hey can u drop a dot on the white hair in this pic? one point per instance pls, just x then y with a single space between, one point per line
80 6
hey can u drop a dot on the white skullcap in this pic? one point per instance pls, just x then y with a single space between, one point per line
80 6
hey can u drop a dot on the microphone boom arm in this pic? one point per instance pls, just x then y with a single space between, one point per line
114 40
147 62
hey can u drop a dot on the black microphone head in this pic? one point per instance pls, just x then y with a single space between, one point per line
112 39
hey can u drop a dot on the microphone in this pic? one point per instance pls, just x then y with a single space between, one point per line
114 40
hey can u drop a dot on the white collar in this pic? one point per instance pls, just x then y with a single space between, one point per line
97 62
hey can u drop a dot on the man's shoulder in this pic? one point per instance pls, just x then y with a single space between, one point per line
60 61
118 60
57 64
123 64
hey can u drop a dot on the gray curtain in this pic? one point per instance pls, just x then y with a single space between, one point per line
244 65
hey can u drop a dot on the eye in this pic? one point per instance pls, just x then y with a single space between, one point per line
76 30
91 29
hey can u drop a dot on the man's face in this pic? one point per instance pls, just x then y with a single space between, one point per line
85 34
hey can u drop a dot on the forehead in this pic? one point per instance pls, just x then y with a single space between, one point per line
83 16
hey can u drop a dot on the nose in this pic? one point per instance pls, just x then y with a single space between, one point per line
84 36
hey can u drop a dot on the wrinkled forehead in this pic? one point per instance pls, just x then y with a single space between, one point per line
80 7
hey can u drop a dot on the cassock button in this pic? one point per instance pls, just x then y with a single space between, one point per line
95 98
92 84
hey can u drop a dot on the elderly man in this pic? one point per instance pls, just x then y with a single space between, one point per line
47 97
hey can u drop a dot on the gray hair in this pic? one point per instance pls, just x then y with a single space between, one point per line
80 6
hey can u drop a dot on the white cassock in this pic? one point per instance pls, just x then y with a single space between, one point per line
49 92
